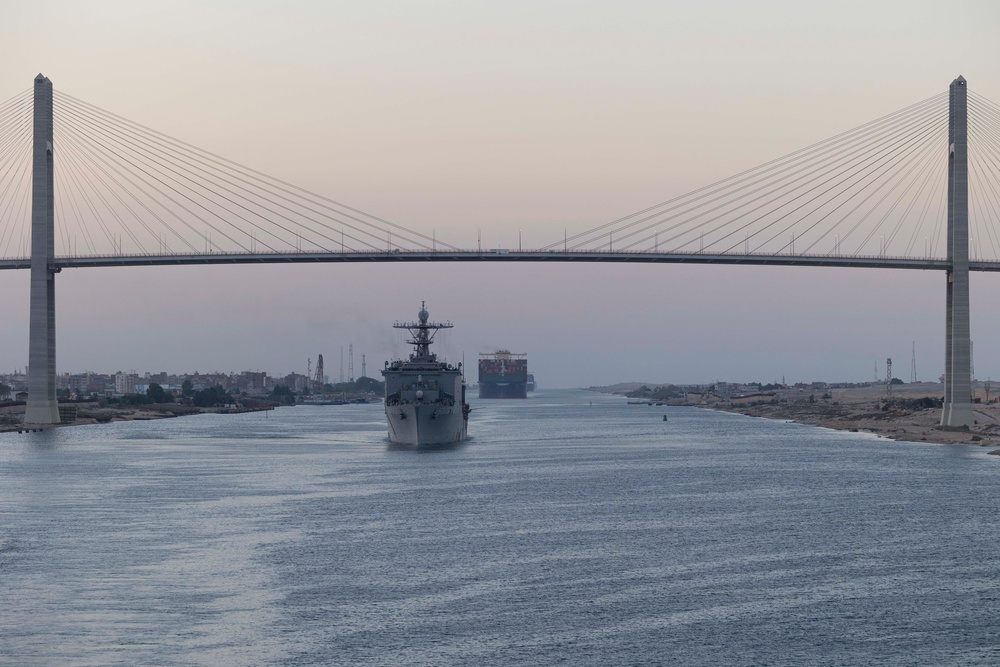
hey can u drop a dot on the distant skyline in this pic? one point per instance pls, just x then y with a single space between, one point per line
500 119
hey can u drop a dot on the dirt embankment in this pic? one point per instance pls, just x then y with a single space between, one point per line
901 417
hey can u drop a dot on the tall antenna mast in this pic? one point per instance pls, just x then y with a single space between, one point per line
422 334
888 377
913 363
350 362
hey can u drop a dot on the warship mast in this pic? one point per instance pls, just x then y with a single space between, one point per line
422 333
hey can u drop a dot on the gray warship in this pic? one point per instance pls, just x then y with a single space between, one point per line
424 397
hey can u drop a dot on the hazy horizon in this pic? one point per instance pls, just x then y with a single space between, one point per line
530 118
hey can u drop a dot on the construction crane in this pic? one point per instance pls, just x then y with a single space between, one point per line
320 378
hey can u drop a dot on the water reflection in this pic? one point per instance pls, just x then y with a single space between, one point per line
565 533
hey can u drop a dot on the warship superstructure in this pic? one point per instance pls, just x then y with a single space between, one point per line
424 396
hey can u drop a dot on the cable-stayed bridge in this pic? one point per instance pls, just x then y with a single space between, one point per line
918 188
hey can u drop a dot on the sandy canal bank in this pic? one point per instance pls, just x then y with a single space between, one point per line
911 414
904 416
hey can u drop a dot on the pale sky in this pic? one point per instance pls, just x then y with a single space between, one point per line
535 116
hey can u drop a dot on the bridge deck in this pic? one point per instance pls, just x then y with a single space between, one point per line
628 257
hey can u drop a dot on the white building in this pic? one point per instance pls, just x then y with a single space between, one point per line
125 382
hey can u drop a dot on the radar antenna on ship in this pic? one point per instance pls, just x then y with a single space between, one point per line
422 333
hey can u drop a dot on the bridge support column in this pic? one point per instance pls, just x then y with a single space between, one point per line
958 354
42 407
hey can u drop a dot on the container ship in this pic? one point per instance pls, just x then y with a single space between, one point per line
503 374
424 396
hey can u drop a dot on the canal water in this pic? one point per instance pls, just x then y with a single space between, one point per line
574 529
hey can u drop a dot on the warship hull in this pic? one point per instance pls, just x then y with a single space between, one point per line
424 397
425 426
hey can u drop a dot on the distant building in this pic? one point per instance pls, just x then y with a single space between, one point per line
125 383
250 382
295 381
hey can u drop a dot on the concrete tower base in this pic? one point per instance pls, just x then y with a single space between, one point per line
957 347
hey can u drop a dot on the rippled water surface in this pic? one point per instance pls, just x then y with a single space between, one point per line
573 529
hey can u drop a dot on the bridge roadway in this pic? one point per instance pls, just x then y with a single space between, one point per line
624 256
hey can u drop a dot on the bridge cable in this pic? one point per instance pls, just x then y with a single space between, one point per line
852 136
268 181
848 170
173 175
918 159
99 166
777 188
779 191
16 149
15 106
848 146
22 190
15 186
914 159
97 145
783 198
765 166
134 148
910 183
219 176
295 234
76 188
94 179
19 96
984 169
230 164
975 235
113 172
935 186
980 189
870 168
179 193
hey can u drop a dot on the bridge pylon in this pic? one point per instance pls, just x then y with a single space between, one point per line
42 407
957 410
